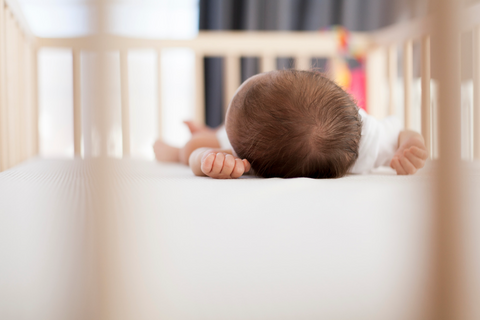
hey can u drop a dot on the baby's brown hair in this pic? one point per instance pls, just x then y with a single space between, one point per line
295 123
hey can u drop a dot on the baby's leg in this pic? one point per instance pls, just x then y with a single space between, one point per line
168 153
199 140
165 152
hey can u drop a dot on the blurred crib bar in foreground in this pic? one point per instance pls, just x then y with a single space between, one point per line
18 87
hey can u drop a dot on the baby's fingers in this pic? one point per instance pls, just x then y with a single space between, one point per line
207 163
407 166
247 165
396 165
419 153
218 164
416 161
228 165
239 169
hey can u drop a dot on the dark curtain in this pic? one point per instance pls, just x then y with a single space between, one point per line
355 15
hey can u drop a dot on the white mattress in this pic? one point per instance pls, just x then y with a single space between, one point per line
198 248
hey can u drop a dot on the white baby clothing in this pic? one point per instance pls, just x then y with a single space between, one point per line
378 143
223 138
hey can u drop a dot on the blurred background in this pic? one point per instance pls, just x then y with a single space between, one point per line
183 19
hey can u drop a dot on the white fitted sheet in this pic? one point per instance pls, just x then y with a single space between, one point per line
198 248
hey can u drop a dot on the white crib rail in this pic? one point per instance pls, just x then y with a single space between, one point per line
404 35
303 46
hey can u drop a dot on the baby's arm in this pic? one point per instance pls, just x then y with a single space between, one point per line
411 153
198 140
217 163
384 143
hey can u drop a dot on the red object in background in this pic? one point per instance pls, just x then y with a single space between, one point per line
357 86
350 79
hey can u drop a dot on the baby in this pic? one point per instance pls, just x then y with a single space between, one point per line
293 123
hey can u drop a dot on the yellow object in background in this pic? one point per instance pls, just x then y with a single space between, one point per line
338 68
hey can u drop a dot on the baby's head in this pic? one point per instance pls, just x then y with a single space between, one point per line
292 123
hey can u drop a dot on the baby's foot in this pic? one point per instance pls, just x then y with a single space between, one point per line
165 152
196 128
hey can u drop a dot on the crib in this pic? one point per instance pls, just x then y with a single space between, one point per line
104 245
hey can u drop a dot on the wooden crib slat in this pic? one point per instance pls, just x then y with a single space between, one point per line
18 88
232 77
11 89
8 86
426 101
21 97
449 224
77 103
392 57
16 103
159 94
200 88
3 90
28 98
268 63
125 98
476 93
407 80
302 62
26 88
26 102
375 68
8 70
34 83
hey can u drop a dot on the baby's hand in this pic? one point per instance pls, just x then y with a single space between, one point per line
410 156
221 165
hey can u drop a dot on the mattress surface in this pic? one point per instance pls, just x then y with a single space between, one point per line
197 248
